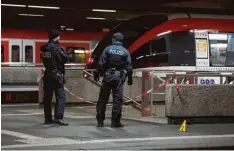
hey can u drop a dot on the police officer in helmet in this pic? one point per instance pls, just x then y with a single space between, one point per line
115 65
54 57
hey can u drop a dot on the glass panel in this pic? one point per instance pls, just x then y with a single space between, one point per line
151 54
2 53
221 49
131 30
76 55
28 54
181 46
15 53
80 57
230 51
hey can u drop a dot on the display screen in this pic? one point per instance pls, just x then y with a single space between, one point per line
18 97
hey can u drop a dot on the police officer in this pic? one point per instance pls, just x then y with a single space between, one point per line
54 57
115 65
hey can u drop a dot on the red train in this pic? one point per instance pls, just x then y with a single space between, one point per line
23 46
181 41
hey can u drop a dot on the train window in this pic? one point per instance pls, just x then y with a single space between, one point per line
2 53
15 53
76 54
151 54
181 46
28 54
221 49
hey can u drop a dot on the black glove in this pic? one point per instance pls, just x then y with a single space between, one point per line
130 78
96 76
64 80
130 81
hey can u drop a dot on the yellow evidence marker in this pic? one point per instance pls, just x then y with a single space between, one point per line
183 127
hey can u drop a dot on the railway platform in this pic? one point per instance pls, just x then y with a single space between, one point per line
23 128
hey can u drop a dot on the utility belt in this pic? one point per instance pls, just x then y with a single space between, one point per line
56 75
112 71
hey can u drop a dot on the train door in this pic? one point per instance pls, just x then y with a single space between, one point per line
15 51
29 51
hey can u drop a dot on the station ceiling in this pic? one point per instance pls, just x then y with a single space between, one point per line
80 15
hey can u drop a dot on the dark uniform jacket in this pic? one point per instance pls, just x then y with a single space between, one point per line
54 57
115 57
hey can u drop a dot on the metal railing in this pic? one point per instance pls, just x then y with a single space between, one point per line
29 64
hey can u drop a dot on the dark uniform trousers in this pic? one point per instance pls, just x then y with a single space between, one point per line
51 85
115 84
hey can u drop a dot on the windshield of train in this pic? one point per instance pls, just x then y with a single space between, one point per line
131 29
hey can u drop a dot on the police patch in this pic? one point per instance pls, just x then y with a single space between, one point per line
117 52
46 54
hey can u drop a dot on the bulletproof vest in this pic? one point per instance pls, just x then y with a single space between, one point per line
48 60
116 58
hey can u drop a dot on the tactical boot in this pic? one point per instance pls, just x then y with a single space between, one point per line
48 121
60 122
100 124
116 124
100 118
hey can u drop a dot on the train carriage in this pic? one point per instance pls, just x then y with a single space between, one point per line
22 47
190 42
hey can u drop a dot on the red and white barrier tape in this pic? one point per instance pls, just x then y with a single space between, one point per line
149 91
79 98
130 100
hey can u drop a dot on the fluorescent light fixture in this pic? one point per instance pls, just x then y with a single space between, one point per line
139 57
164 33
218 36
13 5
95 18
71 29
34 15
81 51
122 18
45 7
62 26
103 10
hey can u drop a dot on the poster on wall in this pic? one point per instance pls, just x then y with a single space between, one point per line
201 48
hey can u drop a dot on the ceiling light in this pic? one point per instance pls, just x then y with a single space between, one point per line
62 26
103 10
95 18
46 7
34 15
122 19
13 5
106 29
70 29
